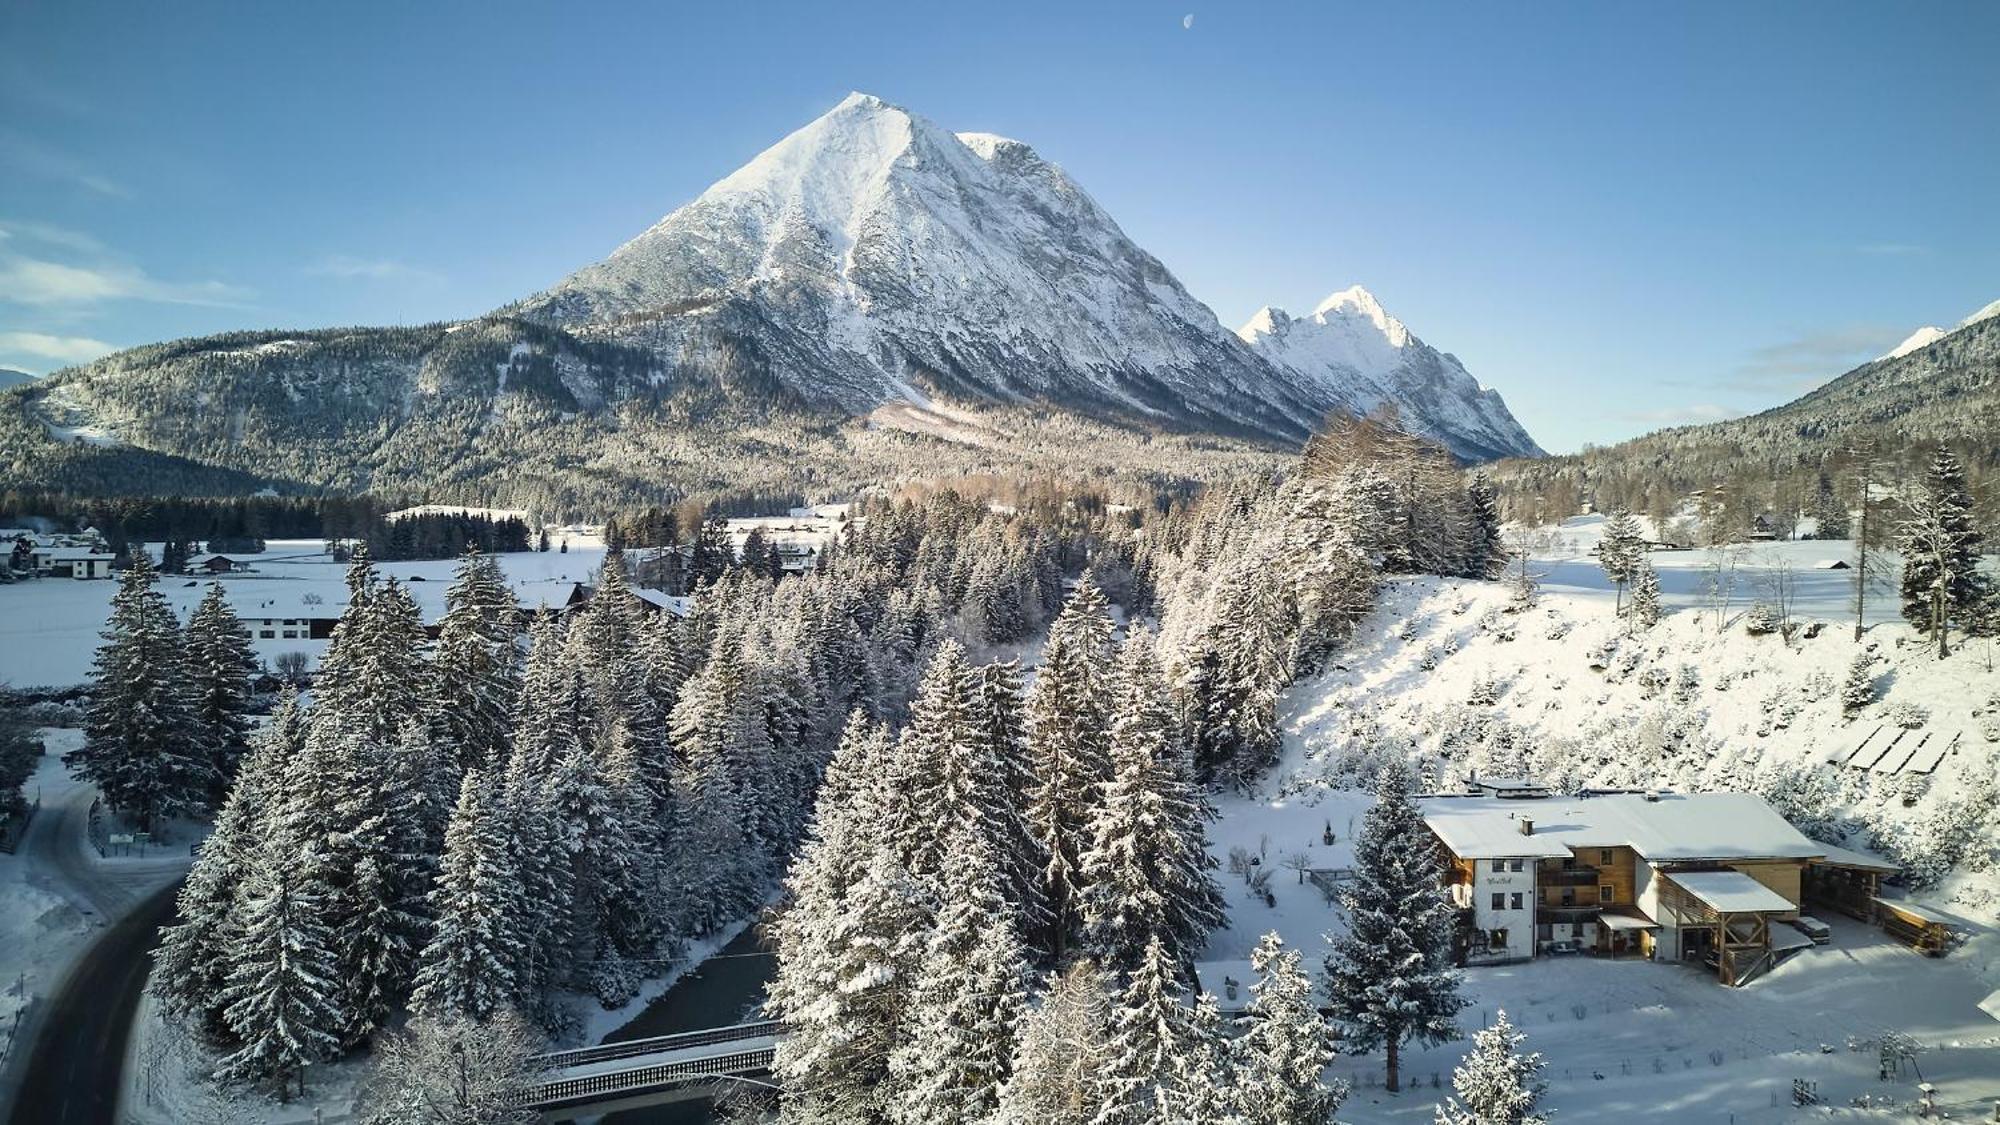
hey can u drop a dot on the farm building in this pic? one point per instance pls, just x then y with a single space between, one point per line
1666 876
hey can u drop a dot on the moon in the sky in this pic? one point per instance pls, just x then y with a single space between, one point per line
1187 21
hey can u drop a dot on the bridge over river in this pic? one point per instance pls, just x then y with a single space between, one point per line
643 1072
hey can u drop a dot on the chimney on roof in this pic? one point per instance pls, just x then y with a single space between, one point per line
1527 827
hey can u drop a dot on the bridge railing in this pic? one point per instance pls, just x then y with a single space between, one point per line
633 1048
597 1087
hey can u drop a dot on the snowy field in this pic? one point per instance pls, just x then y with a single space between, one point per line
49 627
1631 1040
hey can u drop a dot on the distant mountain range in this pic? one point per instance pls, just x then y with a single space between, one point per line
12 378
870 268
1938 386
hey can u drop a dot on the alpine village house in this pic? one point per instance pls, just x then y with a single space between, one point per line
1667 876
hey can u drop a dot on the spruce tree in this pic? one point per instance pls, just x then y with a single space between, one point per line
476 666
1859 689
846 969
1198 1086
1390 975
966 999
192 964
1939 543
1068 740
1496 1083
1151 1028
142 747
219 664
1020 853
1486 554
468 967
282 999
1645 607
1620 551
1284 1046
1146 873
1830 515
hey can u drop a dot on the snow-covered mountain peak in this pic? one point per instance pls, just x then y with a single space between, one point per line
1358 303
1922 338
1987 313
1368 359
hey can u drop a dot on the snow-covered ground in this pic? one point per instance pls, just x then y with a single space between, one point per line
49 627
1631 1040
57 893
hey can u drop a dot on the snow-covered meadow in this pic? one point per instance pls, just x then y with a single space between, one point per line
49 627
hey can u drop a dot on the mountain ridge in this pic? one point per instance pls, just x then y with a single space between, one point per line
871 269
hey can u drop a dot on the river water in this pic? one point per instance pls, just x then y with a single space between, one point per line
725 989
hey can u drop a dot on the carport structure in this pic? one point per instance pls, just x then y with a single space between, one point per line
1725 915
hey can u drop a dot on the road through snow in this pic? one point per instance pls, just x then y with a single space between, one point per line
87 977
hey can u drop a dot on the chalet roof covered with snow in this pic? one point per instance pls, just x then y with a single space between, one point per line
1672 827
1842 857
1731 892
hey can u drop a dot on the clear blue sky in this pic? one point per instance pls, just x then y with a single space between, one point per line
1619 214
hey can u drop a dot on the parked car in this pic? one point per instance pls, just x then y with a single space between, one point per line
1813 928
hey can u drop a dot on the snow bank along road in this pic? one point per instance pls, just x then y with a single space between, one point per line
72 1044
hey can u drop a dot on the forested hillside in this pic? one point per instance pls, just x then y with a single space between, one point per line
1901 407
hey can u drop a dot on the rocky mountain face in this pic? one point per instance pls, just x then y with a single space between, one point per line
1352 349
870 266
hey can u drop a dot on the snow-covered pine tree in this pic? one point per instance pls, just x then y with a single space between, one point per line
1284 1046
374 675
723 749
380 864
1020 853
1151 1028
282 1001
967 997
1620 551
1829 511
192 964
1061 1054
609 875
1645 608
142 747
947 775
1859 689
468 966
1145 875
219 664
1068 725
1495 1083
1197 1087
845 972
1486 554
1940 545
538 853
476 667
1389 975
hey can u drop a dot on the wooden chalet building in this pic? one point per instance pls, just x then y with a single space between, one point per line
1665 876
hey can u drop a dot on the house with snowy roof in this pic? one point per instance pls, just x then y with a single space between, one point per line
1668 876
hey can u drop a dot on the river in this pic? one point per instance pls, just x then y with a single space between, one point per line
725 989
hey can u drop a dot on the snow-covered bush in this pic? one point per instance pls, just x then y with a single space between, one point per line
1559 627
1909 716
1484 691
1654 680
1761 620
1687 684
1497 625
1989 720
1817 686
